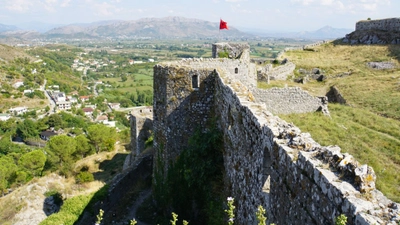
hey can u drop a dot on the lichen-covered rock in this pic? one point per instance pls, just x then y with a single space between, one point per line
365 178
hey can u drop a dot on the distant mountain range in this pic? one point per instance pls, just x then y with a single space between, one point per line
160 28
326 32
4 28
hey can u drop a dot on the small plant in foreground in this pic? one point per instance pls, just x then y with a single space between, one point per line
261 215
99 216
174 218
133 222
341 220
230 210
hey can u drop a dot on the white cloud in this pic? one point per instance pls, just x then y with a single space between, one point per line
327 2
345 6
65 3
239 9
235 0
49 5
20 6
105 9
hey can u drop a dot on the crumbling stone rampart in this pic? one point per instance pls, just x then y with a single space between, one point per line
384 31
280 72
267 161
141 124
390 24
296 99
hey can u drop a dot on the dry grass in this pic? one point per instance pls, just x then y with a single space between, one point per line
9 53
35 103
375 90
368 128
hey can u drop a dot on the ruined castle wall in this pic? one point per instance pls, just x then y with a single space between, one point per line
391 24
267 161
180 107
271 163
287 100
276 73
140 131
234 50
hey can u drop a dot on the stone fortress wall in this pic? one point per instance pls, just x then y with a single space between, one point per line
141 124
267 161
383 31
390 24
280 72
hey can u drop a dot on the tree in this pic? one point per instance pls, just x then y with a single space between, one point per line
83 147
102 137
124 78
7 172
27 129
54 121
8 126
61 149
33 162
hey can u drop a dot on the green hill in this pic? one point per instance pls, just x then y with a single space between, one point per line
368 126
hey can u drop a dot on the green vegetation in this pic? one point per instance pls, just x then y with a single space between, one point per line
341 220
374 90
368 128
21 163
102 137
370 138
195 182
70 211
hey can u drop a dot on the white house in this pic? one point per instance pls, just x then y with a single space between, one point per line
4 117
114 105
88 111
109 123
59 96
18 110
63 105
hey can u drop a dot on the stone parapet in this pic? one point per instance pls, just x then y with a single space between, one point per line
267 161
390 24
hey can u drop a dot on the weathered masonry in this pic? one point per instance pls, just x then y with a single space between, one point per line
267 161
390 24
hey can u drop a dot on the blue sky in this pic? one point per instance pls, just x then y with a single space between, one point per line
269 15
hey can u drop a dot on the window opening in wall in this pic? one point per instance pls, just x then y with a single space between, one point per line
195 81
236 70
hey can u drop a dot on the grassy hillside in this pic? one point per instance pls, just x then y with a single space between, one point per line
369 126
8 53
374 90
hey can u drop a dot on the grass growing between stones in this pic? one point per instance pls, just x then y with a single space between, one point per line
370 138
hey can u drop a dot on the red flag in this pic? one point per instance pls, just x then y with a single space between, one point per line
223 25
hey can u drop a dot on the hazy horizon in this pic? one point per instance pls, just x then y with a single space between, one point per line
283 16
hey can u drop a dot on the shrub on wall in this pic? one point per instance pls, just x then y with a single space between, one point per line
194 183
